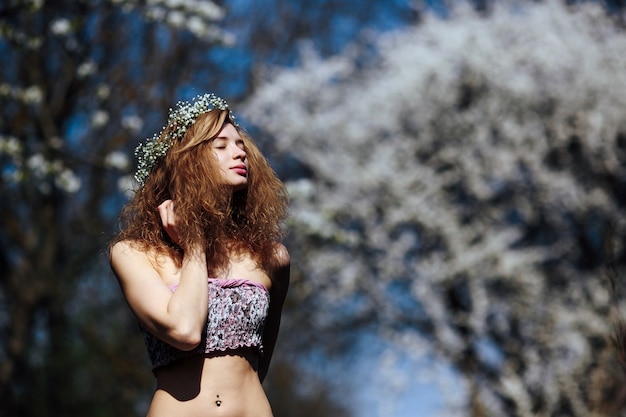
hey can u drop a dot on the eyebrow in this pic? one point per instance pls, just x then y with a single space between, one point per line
236 140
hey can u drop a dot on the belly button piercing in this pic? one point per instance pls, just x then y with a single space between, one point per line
218 402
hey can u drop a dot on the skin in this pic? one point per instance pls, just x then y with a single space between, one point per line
225 385
228 148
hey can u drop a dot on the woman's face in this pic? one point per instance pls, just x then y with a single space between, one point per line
229 149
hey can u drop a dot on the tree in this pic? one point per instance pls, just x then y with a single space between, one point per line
81 81
73 84
453 184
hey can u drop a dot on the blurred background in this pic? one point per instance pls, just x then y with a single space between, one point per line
457 181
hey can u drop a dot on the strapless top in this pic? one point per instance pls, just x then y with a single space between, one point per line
238 309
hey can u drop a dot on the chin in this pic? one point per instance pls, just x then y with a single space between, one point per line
240 187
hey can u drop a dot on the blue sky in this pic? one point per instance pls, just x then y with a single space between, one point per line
380 380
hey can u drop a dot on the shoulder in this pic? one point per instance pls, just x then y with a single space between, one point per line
126 250
128 257
282 264
119 250
281 256
143 275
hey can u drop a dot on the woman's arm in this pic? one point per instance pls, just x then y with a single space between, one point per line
278 293
176 318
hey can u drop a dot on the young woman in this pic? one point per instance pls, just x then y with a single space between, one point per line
200 263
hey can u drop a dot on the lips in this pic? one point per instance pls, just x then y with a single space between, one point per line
240 169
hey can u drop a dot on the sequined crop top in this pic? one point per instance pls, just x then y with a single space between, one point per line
238 309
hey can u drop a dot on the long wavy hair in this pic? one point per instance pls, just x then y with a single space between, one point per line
207 211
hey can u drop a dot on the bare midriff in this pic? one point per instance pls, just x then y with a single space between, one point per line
213 385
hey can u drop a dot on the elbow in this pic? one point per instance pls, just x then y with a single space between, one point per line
186 339
188 344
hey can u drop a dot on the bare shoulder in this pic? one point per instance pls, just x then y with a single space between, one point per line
129 260
282 262
282 257
122 247
140 274
126 251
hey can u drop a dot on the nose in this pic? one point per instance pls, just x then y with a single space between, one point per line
239 153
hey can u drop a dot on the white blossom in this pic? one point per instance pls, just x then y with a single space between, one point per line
133 123
10 145
60 27
38 165
32 95
86 69
302 188
196 26
99 118
176 18
209 10
103 91
156 13
68 181
174 3
118 160
127 185
199 17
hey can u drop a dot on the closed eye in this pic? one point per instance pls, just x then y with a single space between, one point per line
219 144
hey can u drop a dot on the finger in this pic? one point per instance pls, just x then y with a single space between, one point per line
170 213
166 211
164 205
163 212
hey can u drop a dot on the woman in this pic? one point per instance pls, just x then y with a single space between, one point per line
200 264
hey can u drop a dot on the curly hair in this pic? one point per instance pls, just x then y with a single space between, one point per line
207 211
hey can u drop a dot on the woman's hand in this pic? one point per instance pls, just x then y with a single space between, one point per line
168 219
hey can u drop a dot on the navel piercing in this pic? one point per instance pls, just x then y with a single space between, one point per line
218 402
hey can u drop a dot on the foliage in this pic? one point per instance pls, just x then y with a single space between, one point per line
72 86
454 183
82 82
451 186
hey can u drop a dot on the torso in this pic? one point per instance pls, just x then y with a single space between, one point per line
224 384
207 386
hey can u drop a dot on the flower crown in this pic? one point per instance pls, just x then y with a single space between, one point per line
179 120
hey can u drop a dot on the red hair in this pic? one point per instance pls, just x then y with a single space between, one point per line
207 211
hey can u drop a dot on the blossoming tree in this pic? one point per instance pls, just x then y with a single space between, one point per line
454 183
72 83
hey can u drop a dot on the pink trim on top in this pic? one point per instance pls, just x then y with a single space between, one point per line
228 283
